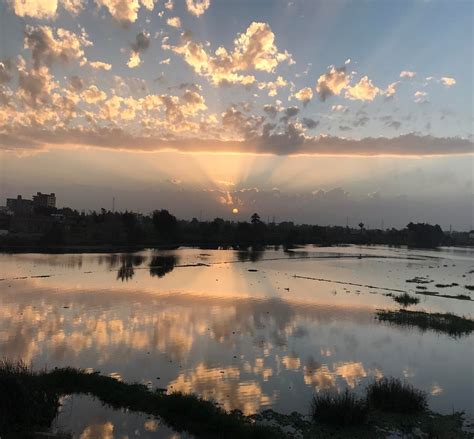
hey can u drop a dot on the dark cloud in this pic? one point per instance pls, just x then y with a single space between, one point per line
142 42
76 83
289 113
309 123
291 141
270 110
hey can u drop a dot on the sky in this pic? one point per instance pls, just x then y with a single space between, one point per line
322 112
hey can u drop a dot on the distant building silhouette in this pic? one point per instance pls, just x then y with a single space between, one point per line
19 205
44 200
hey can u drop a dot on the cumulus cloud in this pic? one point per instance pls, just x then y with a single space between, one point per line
447 81
332 82
273 86
270 110
309 123
92 95
364 90
420 97
99 65
304 95
407 74
48 45
125 11
254 49
197 7
142 42
45 9
390 91
174 22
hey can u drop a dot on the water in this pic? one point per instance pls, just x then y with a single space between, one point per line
199 321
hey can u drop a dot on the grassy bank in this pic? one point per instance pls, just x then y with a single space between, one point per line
30 400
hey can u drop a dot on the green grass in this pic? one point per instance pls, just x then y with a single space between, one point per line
448 323
339 408
29 402
406 300
392 395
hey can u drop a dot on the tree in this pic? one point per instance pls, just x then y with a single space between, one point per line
361 225
166 225
255 219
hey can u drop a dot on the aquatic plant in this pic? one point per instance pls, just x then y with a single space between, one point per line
405 299
392 395
339 408
447 323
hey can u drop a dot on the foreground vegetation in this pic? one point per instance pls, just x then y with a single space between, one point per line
446 323
30 400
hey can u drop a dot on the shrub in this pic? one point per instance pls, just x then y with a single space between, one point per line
391 395
339 408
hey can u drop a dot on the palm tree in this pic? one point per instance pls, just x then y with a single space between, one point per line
255 219
361 225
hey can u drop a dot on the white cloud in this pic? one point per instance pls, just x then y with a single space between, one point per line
197 7
407 74
447 81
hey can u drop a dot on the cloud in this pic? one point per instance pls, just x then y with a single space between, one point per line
45 9
6 71
304 95
254 49
309 123
270 110
48 45
142 42
390 91
340 108
174 22
407 74
197 7
420 97
125 11
364 90
93 95
289 142
332 82
99 65
447 81
273 86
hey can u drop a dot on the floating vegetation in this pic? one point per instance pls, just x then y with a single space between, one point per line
446 296
454 284
419 280
448 323
469 287
392 395
406 300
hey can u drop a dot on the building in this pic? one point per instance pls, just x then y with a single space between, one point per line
19 205
44 200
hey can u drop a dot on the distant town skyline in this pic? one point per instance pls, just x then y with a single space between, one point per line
312 111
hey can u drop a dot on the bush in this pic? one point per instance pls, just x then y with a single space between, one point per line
391 395
339 408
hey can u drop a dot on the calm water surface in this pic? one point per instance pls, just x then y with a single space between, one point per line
237 327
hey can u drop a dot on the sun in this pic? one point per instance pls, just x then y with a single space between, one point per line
235 211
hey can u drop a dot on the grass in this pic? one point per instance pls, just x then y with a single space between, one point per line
419 280
454 284
29 402
339 408
469 287
406 300
25 403
392 395
448 323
